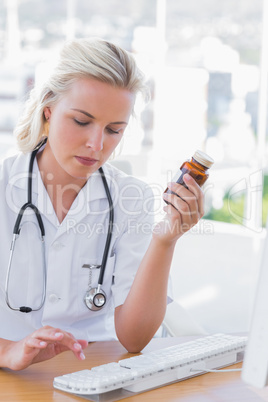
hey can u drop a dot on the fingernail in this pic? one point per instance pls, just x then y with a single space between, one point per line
58 334
43 343
187 177
77 346
82 356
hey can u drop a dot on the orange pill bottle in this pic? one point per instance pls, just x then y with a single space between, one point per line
197 167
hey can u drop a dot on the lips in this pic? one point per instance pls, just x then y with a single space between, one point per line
86 161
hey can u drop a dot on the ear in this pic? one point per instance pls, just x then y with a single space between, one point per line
47 113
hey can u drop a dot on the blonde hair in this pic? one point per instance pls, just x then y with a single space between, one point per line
81 58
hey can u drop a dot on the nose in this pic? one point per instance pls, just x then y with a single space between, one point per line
95 139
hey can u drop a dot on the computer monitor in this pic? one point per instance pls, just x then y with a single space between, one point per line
255 365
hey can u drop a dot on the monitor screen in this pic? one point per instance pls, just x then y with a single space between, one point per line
255 366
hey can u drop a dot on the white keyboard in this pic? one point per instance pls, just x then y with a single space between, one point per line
154 369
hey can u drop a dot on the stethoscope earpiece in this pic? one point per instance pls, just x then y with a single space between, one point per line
95 299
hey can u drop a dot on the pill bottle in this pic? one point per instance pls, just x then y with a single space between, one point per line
197 167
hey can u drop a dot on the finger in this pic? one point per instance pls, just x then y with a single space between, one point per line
196 190
55 335
189 185
81 356
78 350
187 212
49 334
177 202
67 340
83 343
179 220
71 343
35 343
169 208
192 195
192 213
180 191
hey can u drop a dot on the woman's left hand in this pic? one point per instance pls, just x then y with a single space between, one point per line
183 211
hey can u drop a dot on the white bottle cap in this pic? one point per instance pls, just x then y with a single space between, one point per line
203 158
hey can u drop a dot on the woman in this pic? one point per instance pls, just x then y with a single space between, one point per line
83 110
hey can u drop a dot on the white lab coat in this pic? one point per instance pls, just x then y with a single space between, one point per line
78 240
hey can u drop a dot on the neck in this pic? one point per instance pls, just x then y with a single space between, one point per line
61 187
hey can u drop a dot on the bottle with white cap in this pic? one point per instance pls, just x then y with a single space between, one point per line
197 167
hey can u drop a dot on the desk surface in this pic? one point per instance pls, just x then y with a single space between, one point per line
36 382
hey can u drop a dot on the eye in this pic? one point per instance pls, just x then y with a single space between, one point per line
81 123
111 131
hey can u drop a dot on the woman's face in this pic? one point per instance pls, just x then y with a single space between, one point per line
85 127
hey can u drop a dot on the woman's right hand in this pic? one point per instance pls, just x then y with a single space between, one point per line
43 344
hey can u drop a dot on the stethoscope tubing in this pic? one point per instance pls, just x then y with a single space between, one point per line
110 228
25 309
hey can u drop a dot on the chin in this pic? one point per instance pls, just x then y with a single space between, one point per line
83 175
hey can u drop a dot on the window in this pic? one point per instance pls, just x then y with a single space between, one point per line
203 60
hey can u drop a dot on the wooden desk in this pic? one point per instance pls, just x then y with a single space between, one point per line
36 382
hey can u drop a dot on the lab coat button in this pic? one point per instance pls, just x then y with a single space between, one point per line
53 298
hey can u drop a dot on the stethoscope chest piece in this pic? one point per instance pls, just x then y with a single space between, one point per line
95 299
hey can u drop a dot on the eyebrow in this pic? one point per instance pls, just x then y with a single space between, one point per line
92 117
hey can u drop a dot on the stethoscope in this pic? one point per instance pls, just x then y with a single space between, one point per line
95 297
